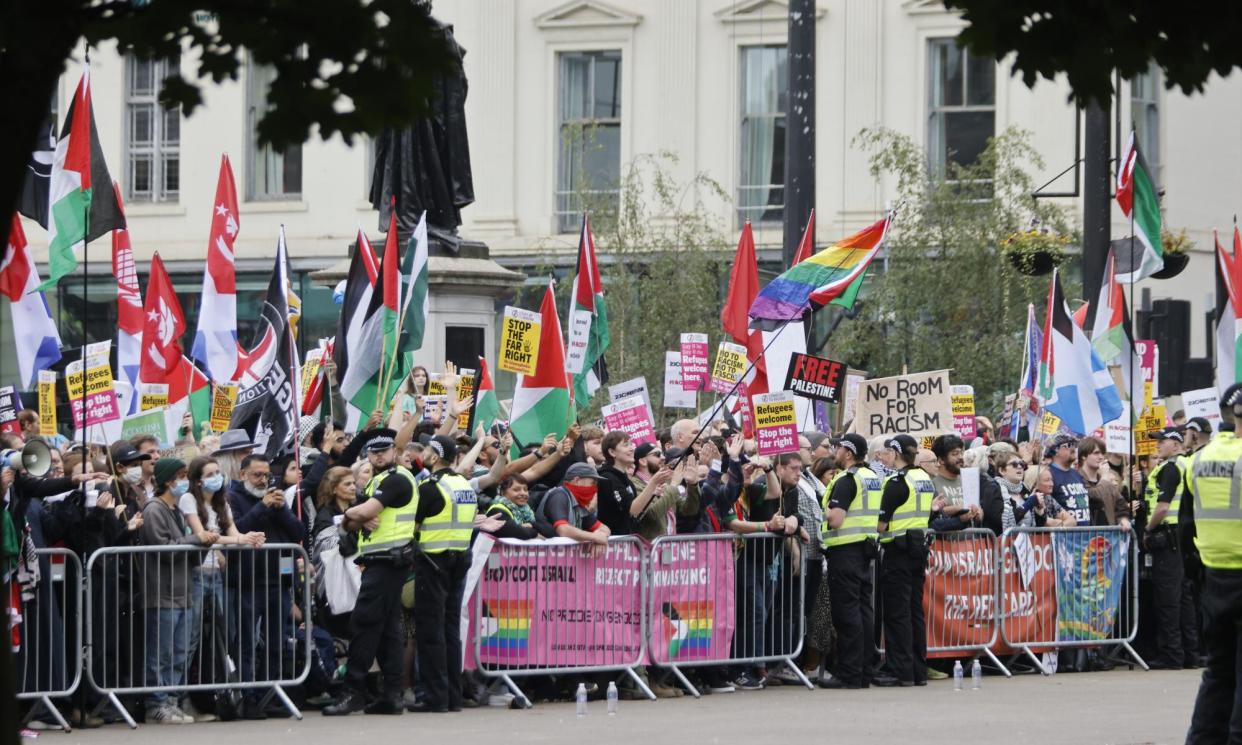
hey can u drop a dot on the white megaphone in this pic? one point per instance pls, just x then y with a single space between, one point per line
36 458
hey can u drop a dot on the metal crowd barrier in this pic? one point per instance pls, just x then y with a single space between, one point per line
48 633
725 600
553 608
961 594
1069 588
163 621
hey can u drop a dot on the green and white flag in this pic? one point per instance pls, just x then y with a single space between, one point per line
588 323
1136 194
372 342
415 298
541 401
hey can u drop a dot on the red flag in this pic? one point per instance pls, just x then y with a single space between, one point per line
162 328
392 267
128 293
223 232
806 246
369 260
743 287
314 391
14 268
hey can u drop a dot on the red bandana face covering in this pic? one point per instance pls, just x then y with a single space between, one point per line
583 494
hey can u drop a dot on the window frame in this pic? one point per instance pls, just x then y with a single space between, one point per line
937 154
568 221
744 213
256 192
157 150
1148 142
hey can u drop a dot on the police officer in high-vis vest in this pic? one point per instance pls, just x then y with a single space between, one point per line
386 520
446 508
904 509
1171 602
1216 488
851 506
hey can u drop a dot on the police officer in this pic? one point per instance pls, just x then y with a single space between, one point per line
851 506
446 508
386 520
1174 614
905 506
1198 433
1215 482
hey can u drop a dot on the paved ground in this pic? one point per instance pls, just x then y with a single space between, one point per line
1112 707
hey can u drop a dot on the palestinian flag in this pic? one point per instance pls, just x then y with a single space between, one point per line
486 406
186 381
359 288
1110 335
541 401
1228 312
415 299
372 340
77 169
588 323
1136 194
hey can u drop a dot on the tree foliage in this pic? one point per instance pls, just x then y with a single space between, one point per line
948 299
1088 41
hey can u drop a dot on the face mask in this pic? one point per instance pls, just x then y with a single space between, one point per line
213 484
133 475
583 494
180 486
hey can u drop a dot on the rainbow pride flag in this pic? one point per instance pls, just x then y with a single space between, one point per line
811 284
506 633
688 629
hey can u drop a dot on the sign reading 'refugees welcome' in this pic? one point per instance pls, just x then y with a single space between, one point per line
918 405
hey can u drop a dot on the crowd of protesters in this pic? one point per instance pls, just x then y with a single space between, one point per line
221 496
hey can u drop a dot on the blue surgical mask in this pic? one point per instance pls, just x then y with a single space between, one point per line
180 486
213 484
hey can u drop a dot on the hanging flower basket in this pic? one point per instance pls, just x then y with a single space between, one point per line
1035 252
1174 264
1176 253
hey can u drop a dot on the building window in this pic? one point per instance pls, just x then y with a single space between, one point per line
962 104
761 183
274 173
1145 111
152 132
589 125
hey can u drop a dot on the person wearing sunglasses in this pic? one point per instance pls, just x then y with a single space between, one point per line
1023 507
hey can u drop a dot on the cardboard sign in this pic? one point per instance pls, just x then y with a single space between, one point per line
815 377
633 388
1117 432
580 321
730 366
152 396
91 397
918 405
519 341
693 361
970 487
465 387
152 422
223 397
310 369
1049 423
853 381
776 422
1151 422
676 395
436 388
963 398
1204 402
1146 349
9 405
630 415
47 402
435 407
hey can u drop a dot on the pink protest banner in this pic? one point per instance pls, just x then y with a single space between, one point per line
630 415
692 601
693 361
99 404
549 604
776 422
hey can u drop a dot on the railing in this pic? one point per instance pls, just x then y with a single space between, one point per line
47 631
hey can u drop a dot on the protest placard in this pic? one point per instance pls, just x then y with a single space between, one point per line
963 398
1149 423
1117 432
693 361
849 407
730 366
970 487
47 401
1146 350
465 389
9 405
630 415
223 397
918 405
635 387
152 396
310 369
435 407
1049 423
1204 402
91 398
676 395
815 377
150 422
519 341
579 338
776 422
436 388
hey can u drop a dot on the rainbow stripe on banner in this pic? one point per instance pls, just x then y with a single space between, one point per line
506 628
817 281
688 628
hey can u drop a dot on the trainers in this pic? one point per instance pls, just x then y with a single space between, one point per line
192 711
720 686
748 681
787 677
168 714
408 698
663 691
501 700
934 674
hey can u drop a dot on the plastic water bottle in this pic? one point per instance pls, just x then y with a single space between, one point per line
957 675
976 676
580 697
612 698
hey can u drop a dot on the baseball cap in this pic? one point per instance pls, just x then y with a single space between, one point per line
379 440
1198 424
643 450
1232 396
853 442
581 471
1168 433
123 452
442 446
900 443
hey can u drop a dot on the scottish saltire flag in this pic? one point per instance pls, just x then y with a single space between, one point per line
34 331
215 340
1073 383
811 284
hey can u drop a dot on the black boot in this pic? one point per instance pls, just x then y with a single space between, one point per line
385 706
347 704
